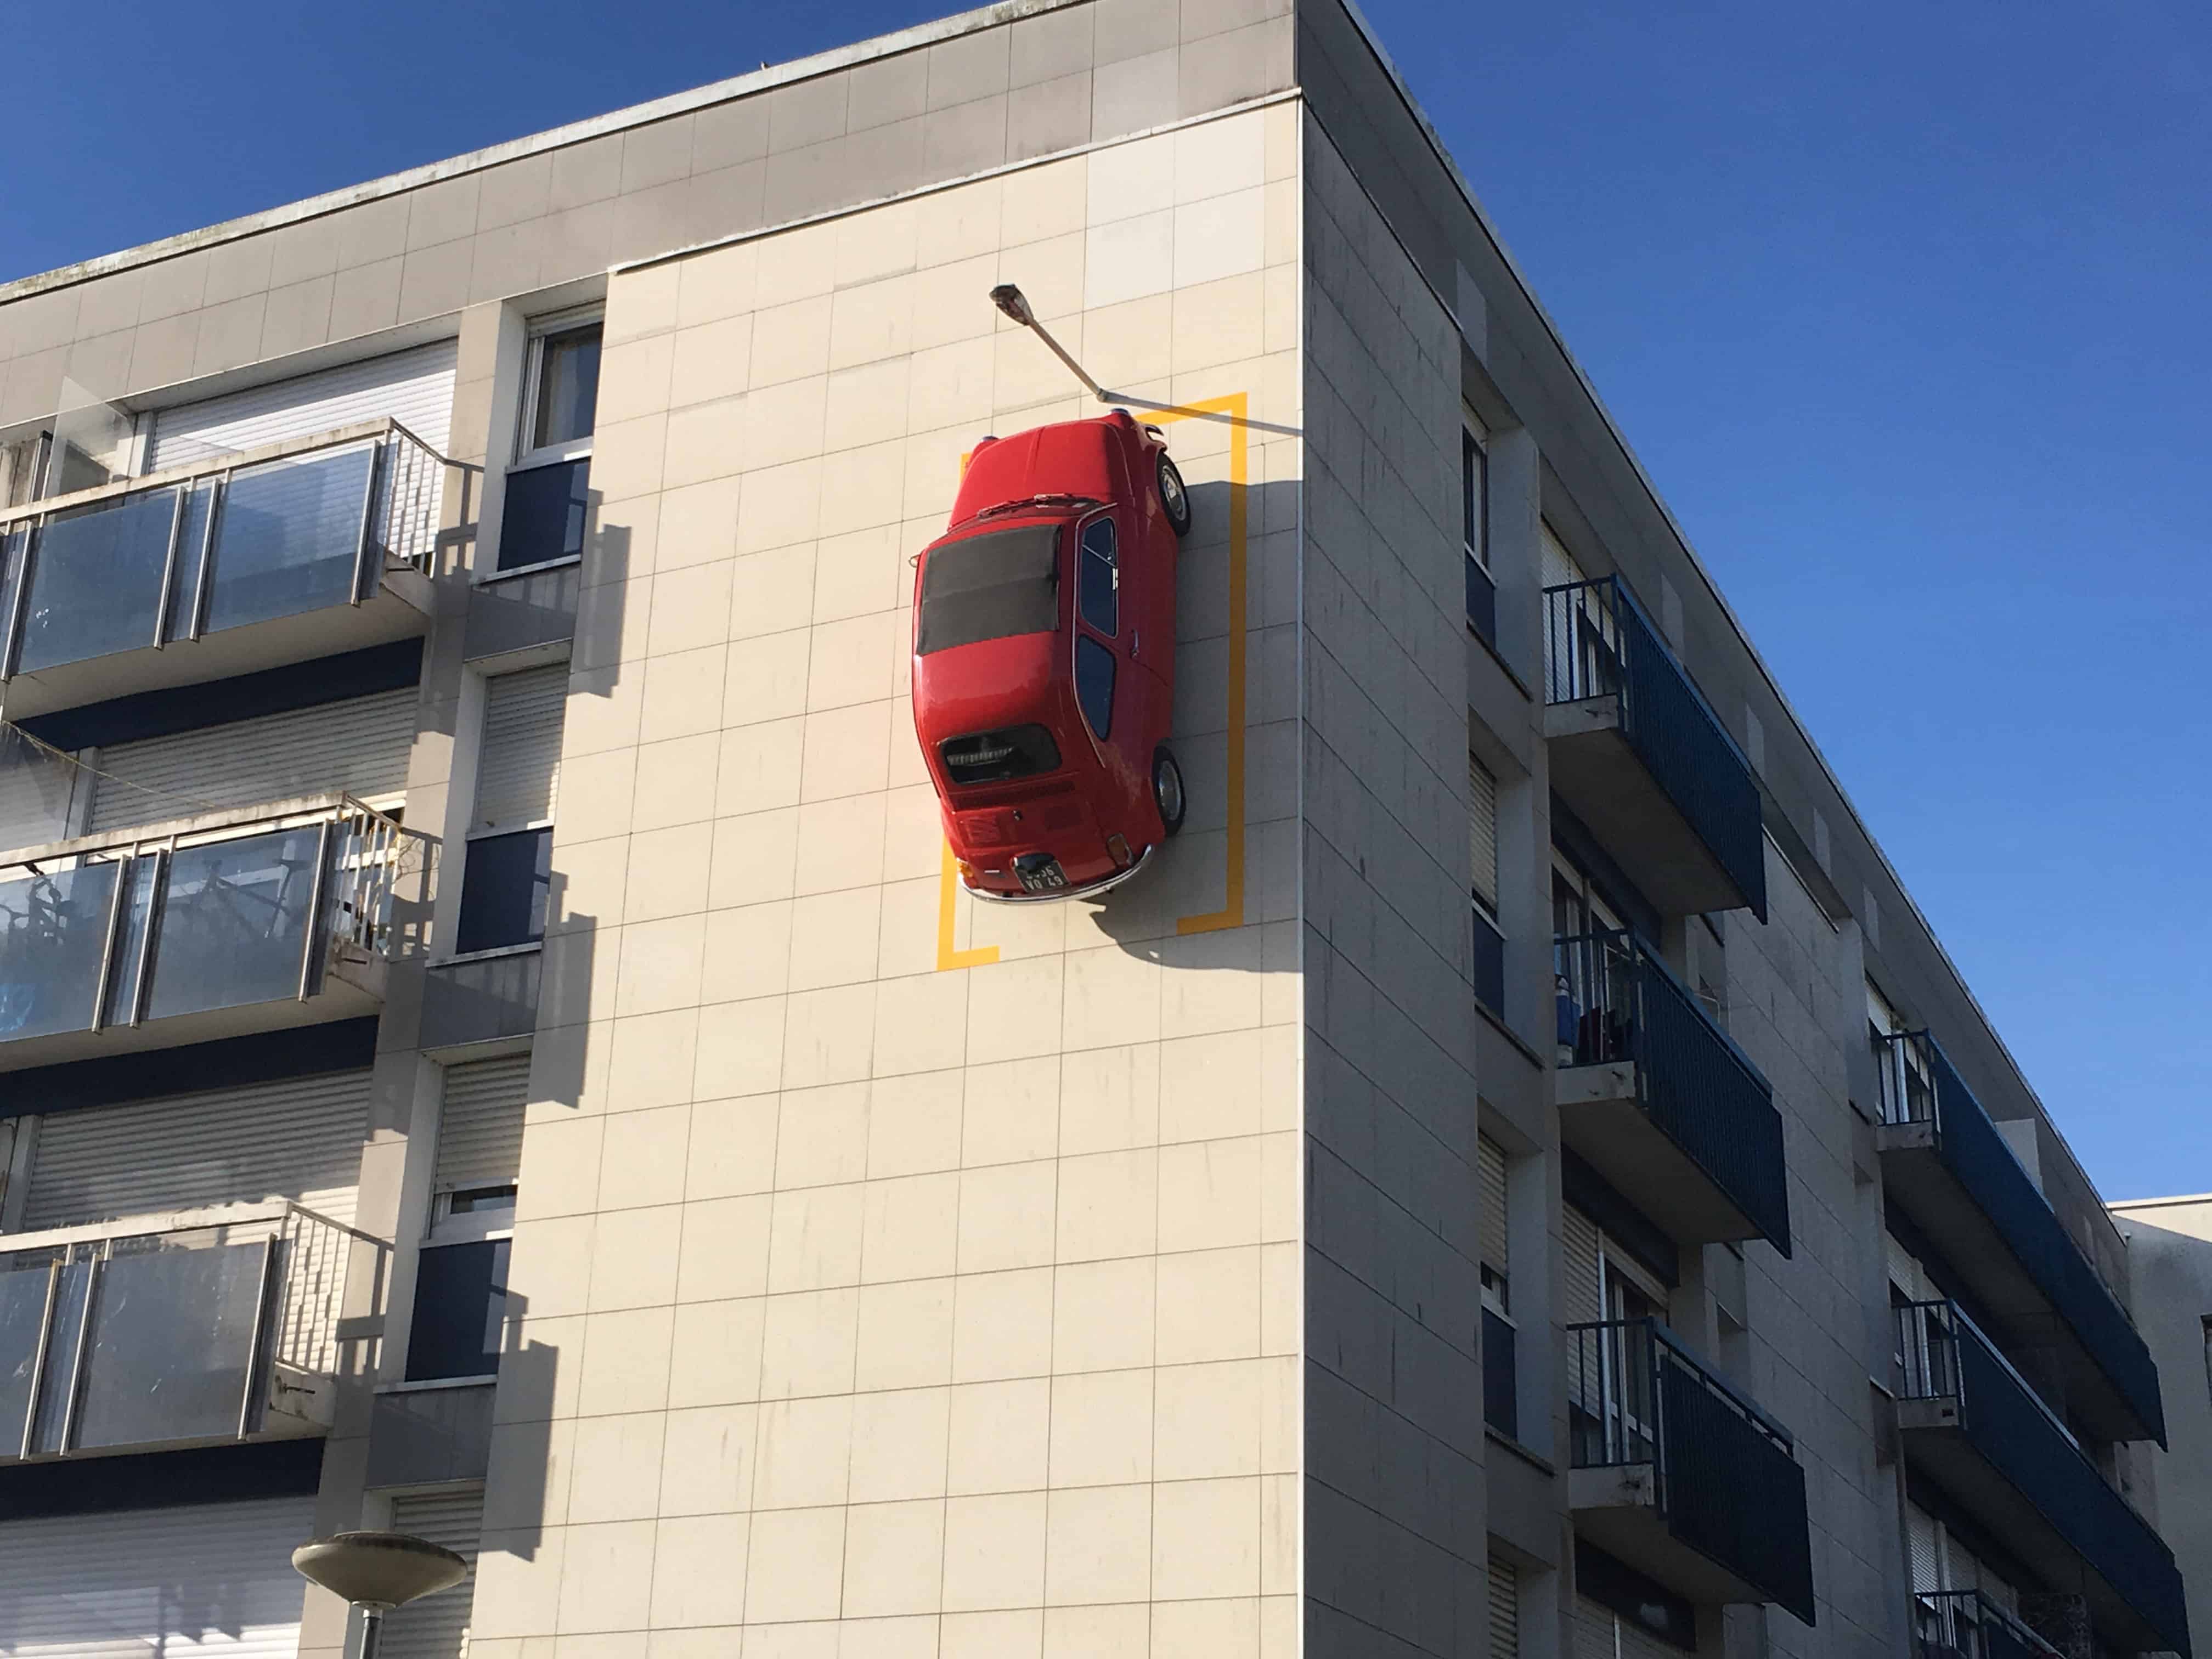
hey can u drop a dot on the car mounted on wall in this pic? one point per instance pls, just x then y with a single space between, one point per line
1044 630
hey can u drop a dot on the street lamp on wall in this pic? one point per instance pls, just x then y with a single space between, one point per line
377 1571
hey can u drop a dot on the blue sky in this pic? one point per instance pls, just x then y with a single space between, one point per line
1903 305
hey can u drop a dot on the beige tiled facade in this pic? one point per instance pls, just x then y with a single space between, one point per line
896 1290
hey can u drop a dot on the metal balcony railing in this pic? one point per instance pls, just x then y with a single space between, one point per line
1919 1085
276 531
1618 1001
1725 1476
1941 1354
215 912
1968 1625
216 1325
1598 642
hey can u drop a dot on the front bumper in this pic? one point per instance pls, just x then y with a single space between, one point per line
1090 889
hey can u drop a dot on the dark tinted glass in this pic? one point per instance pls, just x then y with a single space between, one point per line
96 581
234 922
1481 601
1094 685
460 1304
1015 751
288 539
503 890
568 386
991 586
1098 587
544 516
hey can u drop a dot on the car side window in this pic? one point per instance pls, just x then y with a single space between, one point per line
1099 585
1094 685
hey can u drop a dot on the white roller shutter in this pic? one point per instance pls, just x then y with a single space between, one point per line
518 769
1593 1630
1557 564
299 1137
1921 1549
437 1626
359 745
414 387
1636 1643
1490 1158
1482 831
480 1128
1585 1306
201 1581
1504 1610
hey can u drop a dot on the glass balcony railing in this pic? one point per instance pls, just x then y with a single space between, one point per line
280 532
1942 1356
221 1329
1920 1085
1618 1002
1725 1479
116 931
1968 1625
1598 644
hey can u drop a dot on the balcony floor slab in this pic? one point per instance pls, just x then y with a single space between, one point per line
1595 770
1617 1510
1603 1121
400 609
350 989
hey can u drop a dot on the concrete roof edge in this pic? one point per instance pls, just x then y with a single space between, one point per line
1651 490
636 115
2173 1203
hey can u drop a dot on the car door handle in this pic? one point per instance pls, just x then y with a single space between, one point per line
1135 640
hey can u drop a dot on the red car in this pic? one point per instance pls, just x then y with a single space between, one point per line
1044 631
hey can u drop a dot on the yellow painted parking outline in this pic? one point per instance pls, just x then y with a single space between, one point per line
1235 409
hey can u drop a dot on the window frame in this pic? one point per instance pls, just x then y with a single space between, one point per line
528 454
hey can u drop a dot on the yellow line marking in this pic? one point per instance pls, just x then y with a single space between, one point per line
1231 913
948 893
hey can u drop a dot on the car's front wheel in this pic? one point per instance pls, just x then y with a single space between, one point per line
1173 497
1167 790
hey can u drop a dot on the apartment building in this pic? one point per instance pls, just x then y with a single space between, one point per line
493 1043
2169 1243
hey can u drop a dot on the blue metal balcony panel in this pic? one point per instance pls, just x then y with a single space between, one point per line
1600 645
1724 1480
1921 1086
2050 1503
1691 1083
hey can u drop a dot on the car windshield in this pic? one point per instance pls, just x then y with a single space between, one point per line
990 586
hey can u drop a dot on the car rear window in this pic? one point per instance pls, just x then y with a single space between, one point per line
990 586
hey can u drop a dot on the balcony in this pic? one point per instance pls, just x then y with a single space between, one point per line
1946 1167
1967 1624
1654 1095
214 927
297 550
1972 1425
216 1325
1640 758
1679 1475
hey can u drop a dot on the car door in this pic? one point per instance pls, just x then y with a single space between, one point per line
1108 685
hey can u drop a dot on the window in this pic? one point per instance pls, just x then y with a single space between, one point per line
547 489
1474 509
460 1276
1098 584
1482 840
1094 685
506 879
1500 1386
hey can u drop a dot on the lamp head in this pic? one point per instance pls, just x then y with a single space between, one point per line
379 1570
1011 300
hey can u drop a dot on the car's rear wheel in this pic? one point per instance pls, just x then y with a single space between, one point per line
1167 790
1173 497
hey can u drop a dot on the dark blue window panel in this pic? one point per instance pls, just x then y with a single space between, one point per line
545 513
503 890
460 1304
1094 685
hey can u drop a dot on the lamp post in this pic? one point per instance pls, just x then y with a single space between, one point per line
377 1571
